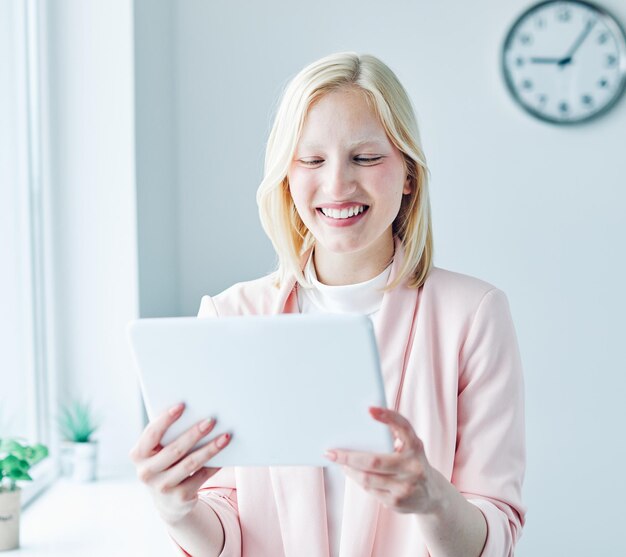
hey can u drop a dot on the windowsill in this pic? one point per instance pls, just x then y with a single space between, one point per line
113 516
43 475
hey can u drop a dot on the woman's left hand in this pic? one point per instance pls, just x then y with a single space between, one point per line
403 480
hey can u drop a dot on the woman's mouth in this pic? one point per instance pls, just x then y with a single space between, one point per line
345 216
344 213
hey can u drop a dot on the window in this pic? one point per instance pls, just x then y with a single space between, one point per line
24 396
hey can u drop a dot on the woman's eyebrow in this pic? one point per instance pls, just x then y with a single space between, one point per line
358 143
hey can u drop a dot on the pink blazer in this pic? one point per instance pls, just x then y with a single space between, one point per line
452 367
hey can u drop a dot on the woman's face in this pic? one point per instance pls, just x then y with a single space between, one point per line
347 179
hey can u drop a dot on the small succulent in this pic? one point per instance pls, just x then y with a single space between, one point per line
76 422
16 459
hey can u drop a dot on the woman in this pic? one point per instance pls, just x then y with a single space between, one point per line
345 202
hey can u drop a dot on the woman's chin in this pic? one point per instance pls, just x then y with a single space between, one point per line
339 248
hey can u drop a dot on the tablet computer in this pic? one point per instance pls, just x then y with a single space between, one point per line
286 386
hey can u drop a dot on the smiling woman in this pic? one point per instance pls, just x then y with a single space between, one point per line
345 203
341 123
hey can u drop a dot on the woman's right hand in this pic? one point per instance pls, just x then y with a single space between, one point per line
173 476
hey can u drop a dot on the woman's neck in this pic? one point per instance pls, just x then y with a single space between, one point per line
337 269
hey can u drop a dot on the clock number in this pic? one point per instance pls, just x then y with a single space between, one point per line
543 99
563 107
527 84
587 100
540 23
525 39
603 37
611 60
564 15
519 62
603 83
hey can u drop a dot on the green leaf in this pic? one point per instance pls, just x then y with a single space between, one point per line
9 445
20 475
13 447
16 459
35 453
11 464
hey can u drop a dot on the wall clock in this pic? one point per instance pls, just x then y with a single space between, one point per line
564 62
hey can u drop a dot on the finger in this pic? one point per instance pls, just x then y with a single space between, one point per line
372 481
187 490
371 462
194 461
178 449
400 426
390 492
194 482
152 435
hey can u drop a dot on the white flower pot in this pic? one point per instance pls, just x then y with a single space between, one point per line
79 461
10 519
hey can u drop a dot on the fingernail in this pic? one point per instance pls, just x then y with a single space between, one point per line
223 440
331 455
205 425
176 409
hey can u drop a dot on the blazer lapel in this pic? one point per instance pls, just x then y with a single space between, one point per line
395 329
286 299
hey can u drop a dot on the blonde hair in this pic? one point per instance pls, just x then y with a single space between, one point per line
385 94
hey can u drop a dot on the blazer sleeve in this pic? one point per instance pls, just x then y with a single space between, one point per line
220 491
490 459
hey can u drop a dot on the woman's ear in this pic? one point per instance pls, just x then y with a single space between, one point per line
408 188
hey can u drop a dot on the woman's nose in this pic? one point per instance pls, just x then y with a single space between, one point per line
340 181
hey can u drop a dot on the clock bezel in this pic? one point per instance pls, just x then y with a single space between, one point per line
614 27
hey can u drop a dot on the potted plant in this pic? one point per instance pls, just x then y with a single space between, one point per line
78 451
16 459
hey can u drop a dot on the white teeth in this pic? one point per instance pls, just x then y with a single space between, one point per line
343 213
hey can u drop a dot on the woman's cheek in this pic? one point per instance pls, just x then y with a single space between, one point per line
384 175
301 188
301 200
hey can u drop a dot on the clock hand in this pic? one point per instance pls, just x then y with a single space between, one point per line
568 57
545 60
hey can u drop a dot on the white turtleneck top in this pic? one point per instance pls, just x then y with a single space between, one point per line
363 298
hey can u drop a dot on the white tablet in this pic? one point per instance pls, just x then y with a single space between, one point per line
287 387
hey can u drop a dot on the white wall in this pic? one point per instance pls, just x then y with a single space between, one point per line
533 208
92 174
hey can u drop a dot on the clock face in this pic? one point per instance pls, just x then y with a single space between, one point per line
565 62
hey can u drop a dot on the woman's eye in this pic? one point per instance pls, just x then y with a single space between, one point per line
360 160
367 160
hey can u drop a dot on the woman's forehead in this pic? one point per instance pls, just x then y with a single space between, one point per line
349 102
344 116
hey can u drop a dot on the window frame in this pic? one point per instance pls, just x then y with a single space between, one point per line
36 241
